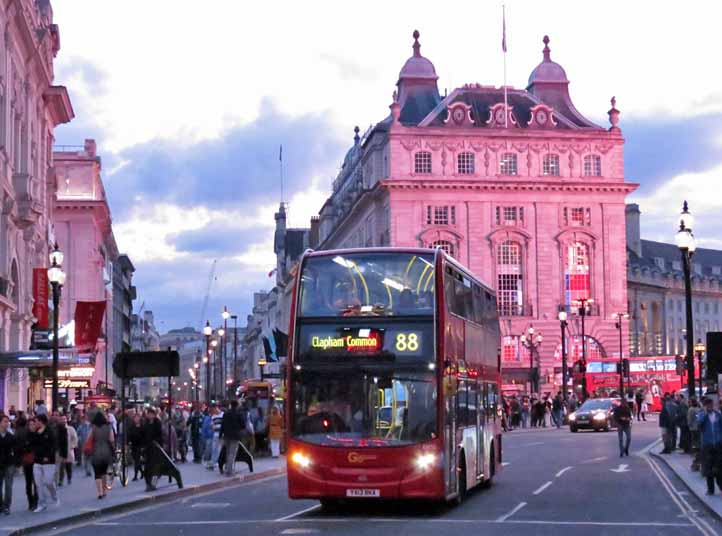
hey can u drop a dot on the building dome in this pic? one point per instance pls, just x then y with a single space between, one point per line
417 66
547 70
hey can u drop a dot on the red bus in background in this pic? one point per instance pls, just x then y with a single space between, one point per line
393 377
656 374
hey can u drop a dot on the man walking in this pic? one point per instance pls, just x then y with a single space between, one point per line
194 424
232 425
623 417
8 461
557 410
216 420
710 427
667 423
44 448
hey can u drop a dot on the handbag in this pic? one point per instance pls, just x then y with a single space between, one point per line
28 458
88 447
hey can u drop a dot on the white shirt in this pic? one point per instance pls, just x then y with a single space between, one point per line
113 422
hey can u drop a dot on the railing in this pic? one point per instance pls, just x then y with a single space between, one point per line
68 148
592 309
515 309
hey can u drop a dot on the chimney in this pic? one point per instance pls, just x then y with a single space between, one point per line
634 241
313 235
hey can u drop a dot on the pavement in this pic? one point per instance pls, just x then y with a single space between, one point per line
79 502
680 464
554 482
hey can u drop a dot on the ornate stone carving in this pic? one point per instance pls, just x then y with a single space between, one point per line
458 114
542 117
499 119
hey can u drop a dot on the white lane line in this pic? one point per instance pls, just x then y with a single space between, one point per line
304 511
684 506
514 511
593 460
560 473
504 464
542 488
300 531
533 444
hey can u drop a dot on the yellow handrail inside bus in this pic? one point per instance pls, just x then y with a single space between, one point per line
421 277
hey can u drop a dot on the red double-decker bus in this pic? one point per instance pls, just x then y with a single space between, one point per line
393 377
654 374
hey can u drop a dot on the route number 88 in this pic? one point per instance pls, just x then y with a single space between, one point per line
407 342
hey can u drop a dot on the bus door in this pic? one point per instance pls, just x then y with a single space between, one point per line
450 432
476 396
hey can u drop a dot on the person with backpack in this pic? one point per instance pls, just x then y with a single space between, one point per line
710 427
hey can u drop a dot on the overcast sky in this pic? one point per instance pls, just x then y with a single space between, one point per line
190 100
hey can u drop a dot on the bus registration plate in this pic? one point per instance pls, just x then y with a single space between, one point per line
363 493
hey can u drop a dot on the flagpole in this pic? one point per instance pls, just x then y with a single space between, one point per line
503 42
280 165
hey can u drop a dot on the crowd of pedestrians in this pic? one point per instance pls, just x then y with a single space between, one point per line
50 449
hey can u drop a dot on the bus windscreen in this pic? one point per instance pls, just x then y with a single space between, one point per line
367 284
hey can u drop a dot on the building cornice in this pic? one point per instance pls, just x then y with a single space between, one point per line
494 184
509 135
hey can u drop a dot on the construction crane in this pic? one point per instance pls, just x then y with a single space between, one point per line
211 278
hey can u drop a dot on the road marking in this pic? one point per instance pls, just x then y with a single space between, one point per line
300 531
681 502
514 511
542 488
594 460
210 505
301 512
405 520
504 464
621 469
560 473
532 444
647 448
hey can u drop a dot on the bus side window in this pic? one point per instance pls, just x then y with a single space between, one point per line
478 305
461 404
473 406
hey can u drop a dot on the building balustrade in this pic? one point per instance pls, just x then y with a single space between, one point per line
515 309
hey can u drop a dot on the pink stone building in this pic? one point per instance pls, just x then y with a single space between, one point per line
84 234
31 106
516 184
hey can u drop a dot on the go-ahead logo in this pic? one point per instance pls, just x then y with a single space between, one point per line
355 457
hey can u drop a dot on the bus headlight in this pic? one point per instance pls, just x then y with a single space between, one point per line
572 417
424 461
300 459
601 416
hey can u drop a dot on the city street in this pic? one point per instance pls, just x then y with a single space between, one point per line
554 482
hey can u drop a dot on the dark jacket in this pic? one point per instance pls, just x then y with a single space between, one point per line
622 415
668 415
232 425
135 436
8 450
711 434
44 446
61 436
152 431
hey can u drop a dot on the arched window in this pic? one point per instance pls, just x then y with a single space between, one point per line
576 273
592 165
509 288
447 246
507 164
422 162
465 163
550 165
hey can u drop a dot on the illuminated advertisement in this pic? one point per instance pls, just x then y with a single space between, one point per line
410 340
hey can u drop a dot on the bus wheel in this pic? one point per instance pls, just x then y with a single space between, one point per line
330 505
462 479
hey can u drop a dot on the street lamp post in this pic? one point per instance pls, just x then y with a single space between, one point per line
56 276
261 364
700 349
221 365
214 354
563 324
235 347
686 244
583 303
224 353
531 340
208 331
618 324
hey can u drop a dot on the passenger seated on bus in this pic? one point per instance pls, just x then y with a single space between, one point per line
345 299
406 302
314 304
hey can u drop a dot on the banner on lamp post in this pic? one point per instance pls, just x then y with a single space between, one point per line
40 297
88 323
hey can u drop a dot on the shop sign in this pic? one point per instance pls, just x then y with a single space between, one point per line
68 383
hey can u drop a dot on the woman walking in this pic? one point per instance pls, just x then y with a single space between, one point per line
100 445
135 436
275 431
23 432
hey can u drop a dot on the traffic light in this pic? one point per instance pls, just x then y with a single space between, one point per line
625 367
